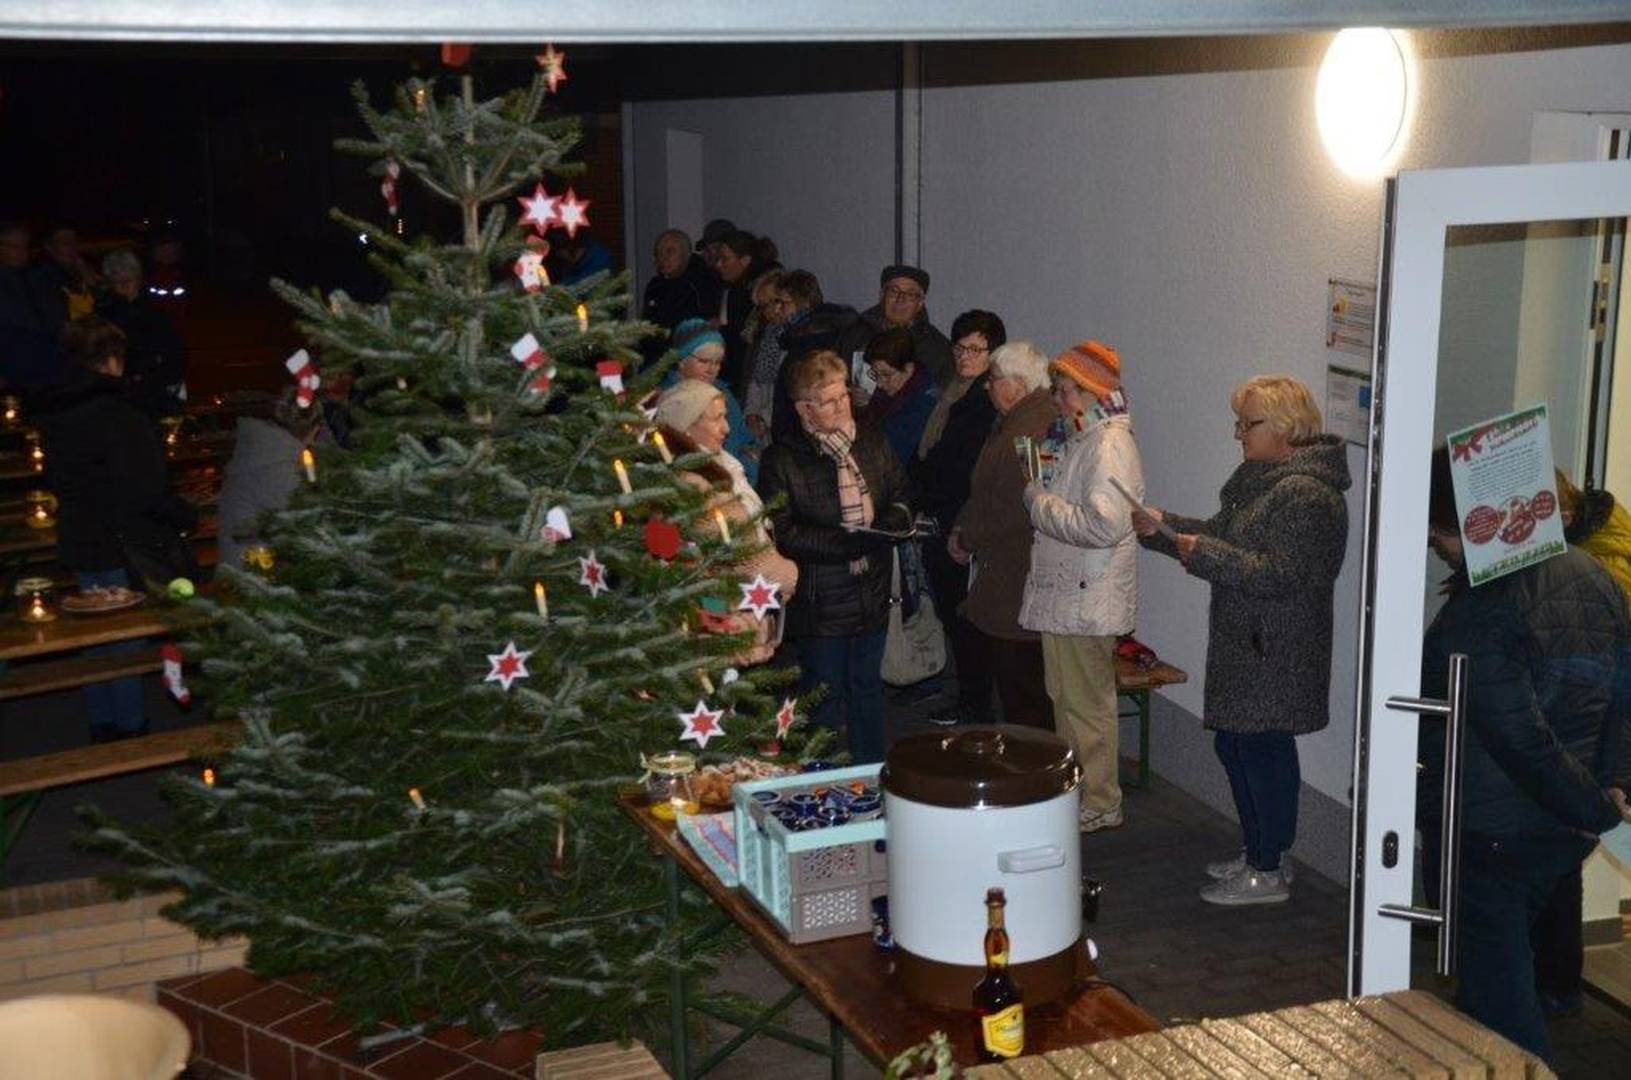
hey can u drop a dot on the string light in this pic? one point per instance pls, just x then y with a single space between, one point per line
707 683
583 318
617 519
308 461
661 444
622 476
417 799
209 778
542 598
724 530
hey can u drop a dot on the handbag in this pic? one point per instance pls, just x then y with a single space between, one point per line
914 648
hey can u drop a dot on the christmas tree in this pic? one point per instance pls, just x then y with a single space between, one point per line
473 629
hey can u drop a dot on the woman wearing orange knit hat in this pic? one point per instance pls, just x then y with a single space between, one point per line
1082 591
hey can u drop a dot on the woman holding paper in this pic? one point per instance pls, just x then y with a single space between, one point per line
1082 591
1271 554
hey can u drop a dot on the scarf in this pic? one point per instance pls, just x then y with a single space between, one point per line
739 483
854 498
936 427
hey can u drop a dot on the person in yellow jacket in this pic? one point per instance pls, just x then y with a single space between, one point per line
1597 524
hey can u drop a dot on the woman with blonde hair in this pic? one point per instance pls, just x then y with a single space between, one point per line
1271 554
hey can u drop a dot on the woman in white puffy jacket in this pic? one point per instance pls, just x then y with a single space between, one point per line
1082 592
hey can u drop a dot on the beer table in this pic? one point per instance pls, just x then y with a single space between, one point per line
850 980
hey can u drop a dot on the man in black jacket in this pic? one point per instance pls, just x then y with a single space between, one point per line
682 288
1547 754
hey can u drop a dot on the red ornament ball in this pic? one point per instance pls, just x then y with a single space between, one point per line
662 538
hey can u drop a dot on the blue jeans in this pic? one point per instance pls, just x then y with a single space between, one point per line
1504 886
116 706
851 671
1265 778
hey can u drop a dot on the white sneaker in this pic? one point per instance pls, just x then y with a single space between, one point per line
1228 868
1250 886
1094 820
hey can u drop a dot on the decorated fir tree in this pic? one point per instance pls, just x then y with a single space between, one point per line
475 626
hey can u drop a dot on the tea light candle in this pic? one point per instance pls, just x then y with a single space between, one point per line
40 505
622 476
36 454
36 610
661 444
542 598
11 411
309 462
583 318
418 799
724 530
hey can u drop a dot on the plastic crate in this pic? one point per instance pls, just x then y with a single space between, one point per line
817 884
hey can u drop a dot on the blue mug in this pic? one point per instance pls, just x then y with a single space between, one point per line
767 799
833 815
864 808
804 804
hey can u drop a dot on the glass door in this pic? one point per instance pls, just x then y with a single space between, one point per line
1492 288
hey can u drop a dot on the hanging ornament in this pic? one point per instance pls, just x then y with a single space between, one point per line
759 596
529 269
662 538
611 377
528 353
455 54
556 526
387 186
573 213
553 64
170 657
508 666
539 209
730 676
785 717
592 574
701 724
305 376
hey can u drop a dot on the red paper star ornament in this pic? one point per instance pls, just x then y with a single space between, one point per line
701 724
759 596
785 717
553 63
508 666
573 213
592 573
539 209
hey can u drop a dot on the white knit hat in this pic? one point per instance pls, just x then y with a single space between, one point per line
684 403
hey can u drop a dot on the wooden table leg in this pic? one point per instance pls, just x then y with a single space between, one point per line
835 1033
1144 739
679 1055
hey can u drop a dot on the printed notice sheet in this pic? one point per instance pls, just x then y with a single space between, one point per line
1506 494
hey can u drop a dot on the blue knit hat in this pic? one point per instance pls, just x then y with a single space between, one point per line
694 335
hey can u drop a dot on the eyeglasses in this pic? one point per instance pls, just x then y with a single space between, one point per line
969 350
893 293
1243 426
827 403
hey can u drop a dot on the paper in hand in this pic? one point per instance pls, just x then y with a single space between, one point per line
1162 527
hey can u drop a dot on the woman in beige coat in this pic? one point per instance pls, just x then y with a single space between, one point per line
993 534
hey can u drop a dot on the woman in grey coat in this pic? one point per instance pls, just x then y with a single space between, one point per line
1271 553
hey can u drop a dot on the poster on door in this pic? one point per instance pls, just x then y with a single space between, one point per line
1506 494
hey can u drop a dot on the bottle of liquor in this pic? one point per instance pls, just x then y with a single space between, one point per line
999 1009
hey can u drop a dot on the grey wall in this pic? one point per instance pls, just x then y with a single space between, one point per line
1170 197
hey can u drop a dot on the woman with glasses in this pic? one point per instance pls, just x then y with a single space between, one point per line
905 394
835 486
1271 554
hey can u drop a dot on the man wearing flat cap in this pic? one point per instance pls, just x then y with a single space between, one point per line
903 292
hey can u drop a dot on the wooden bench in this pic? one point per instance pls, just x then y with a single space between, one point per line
24 782
1136 684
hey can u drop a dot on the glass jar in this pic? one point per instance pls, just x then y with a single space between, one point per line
669 787
11 412
36 600
42 509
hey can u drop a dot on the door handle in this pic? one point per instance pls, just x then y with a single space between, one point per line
1446 916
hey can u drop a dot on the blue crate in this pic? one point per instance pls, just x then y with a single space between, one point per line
817 884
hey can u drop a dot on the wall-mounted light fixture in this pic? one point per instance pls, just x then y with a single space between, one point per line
1362 100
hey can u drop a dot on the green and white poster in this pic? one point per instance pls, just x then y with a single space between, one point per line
1506 494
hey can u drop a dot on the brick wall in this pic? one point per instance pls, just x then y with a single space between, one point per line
73 937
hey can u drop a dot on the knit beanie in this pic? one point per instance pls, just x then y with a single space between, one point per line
694 337
1092 365
684 403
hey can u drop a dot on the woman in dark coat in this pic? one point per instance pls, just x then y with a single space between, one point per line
1271 553
835 478
108 471
905 396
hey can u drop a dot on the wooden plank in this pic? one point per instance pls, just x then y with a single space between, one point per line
1122 1060
1461 1063
113 759
1256 1050
70 633
1078 1064
1297 1046
1129 676
1504 1060
1032 1068
1201 1045
1365 1031
599 1061
45 676
1167 1057
1338 1042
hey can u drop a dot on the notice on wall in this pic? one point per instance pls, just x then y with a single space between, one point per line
1350 317
1506 494
1347 404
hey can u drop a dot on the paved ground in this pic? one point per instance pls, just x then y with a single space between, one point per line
1177 957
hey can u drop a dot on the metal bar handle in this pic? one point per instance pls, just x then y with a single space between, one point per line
1446 916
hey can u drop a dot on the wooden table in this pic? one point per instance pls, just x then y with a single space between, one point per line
851 980
1136 684
20 640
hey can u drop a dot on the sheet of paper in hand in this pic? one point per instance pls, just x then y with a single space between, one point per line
1162 527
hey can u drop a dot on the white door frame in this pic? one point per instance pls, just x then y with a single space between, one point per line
1404 371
